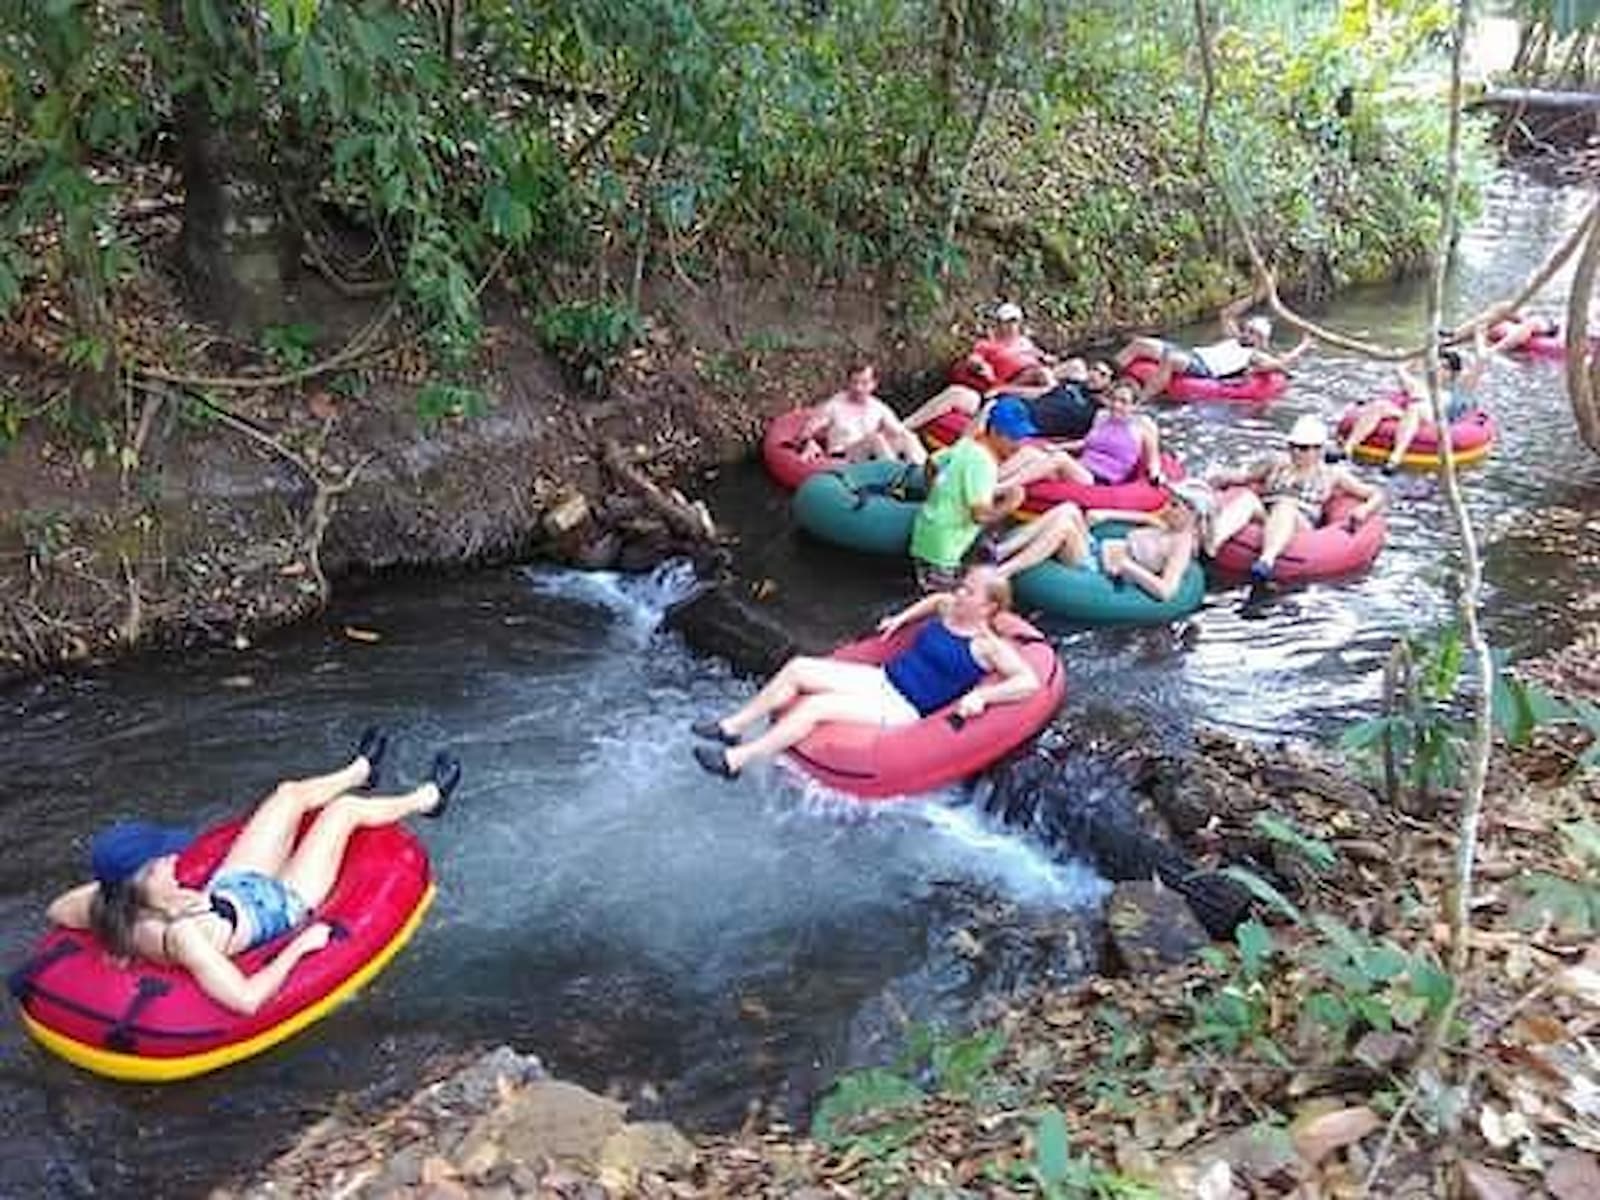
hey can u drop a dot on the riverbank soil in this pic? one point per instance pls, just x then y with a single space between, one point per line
1277 1065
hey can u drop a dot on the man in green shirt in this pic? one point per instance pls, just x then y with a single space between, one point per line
963 498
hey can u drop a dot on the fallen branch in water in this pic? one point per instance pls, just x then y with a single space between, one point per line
691 521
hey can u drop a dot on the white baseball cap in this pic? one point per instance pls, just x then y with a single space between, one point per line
1009 311
1261 326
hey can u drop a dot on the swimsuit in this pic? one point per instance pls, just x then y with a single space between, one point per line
1309 494
1111 451
935 669
272 906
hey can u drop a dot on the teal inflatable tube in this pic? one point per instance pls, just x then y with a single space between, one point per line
866 506
1087 597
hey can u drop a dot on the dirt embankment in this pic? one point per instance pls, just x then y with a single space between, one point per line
235 511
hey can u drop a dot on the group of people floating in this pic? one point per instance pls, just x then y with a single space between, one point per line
1032 417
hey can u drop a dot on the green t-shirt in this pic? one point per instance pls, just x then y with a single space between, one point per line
944 529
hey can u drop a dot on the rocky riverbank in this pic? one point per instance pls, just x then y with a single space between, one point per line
1171 1063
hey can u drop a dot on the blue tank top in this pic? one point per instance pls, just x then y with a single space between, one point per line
935 669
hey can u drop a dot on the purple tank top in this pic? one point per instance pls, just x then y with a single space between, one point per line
1111 451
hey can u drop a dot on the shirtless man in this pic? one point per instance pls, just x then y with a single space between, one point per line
854 425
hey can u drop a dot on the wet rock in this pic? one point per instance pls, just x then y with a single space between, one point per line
1082 806
719 621
1151 926
982 952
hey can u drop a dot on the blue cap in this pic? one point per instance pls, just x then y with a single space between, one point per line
118 851
1010 418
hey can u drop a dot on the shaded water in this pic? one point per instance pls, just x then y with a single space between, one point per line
603 902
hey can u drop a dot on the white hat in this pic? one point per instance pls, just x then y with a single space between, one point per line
1308 431
1008 311
1261 326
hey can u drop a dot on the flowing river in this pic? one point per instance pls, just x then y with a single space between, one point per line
605 903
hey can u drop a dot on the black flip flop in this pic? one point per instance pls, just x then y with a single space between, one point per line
715 760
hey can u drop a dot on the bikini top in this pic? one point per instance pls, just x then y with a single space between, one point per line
219 906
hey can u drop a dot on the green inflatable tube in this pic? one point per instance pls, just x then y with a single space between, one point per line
866 506
1087 597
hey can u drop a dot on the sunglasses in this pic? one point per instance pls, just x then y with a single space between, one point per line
1305 445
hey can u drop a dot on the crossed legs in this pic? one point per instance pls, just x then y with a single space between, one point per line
1060 533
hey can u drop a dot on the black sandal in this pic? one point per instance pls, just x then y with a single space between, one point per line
374 744
713 731
715 760
446 774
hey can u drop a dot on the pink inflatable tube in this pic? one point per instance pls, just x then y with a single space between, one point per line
1326 552
876 764
1540 345
783 459
1256 387
1471 437
1135 495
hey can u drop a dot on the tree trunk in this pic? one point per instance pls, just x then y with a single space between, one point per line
1583 366
203 168
98 363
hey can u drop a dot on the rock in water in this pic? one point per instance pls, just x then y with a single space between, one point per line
717 621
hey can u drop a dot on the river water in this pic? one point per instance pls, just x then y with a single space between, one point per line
603 902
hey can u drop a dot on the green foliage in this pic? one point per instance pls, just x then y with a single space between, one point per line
589 338
1571 904
439 401
1059 1175
876 1092
1263 892
1370 985
1423 728
1236 1013
575 143
1315 852
11 419
291 346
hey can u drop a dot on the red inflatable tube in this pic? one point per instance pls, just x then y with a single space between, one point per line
1136 495
148 1021
1256 387
874 764
1472 435
1540 345
1326 552
783 458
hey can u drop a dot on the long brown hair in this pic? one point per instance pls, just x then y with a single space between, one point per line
113 912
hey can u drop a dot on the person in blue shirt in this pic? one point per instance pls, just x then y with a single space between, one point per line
947 662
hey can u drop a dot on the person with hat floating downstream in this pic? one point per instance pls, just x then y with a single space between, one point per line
965 494
269 883
1287 492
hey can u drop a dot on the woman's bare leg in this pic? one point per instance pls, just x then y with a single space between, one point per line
1061 532
800 675
1284 520
1368 417
267 839
313 868
1233 516
1405 433
802 719
1031 464
955 398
